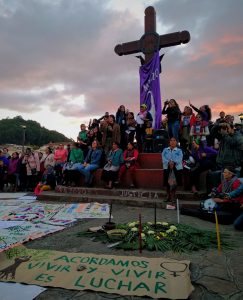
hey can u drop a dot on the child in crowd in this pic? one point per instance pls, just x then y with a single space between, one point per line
199 129
82 139
148 138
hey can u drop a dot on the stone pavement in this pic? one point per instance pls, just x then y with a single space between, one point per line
213 275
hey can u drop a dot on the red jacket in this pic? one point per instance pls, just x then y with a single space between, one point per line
234 186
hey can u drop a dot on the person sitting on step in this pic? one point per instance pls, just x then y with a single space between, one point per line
130 165
224 200
91 163
204 160
238 223
111 169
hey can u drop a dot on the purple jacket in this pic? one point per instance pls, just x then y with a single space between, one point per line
13 165
210 154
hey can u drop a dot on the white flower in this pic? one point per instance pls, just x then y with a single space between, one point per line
159 223
132 224
169 231
149 223
150 232
165 223
134 229
173 227
142 235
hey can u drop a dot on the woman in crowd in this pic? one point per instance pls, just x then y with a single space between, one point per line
75 159
47 159
31 160
204 158
97 135
172 164
91 163
172 110
60 157
204 111
142 118
223 195
111 169
131 127
226 199
187 120
121 121
4 162
130 165
111 133
13 171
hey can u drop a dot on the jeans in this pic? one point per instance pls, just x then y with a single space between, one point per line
174 129
238 223
86 171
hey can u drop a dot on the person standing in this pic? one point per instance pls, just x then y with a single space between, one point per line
172 110
4 163
172 157
110 133
121 121
32 162
13 172
142 118
82 139
204 111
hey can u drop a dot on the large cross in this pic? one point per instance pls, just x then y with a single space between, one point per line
151 41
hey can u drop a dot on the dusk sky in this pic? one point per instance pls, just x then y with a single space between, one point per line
58 65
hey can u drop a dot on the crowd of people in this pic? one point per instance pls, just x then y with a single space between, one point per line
188 140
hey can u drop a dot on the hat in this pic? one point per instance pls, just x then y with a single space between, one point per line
230 169
197 141
143 105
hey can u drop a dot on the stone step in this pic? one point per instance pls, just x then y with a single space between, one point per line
140 198
119 192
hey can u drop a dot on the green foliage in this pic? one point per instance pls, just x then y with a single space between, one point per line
12 132
162 237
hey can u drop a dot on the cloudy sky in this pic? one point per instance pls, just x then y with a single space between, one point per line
58 65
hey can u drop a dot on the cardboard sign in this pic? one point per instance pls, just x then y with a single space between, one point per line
124 275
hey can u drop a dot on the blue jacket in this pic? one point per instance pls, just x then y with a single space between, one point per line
174 155
4 160
116 157
236 192
93 157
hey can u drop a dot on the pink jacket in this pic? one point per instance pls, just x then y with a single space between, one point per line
60 155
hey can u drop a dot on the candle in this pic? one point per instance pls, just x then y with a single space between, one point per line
155 214
178 211
140 233
217 231
110 212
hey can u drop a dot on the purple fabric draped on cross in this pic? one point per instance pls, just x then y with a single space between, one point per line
150 88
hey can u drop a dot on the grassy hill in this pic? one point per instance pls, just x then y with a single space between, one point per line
14 131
